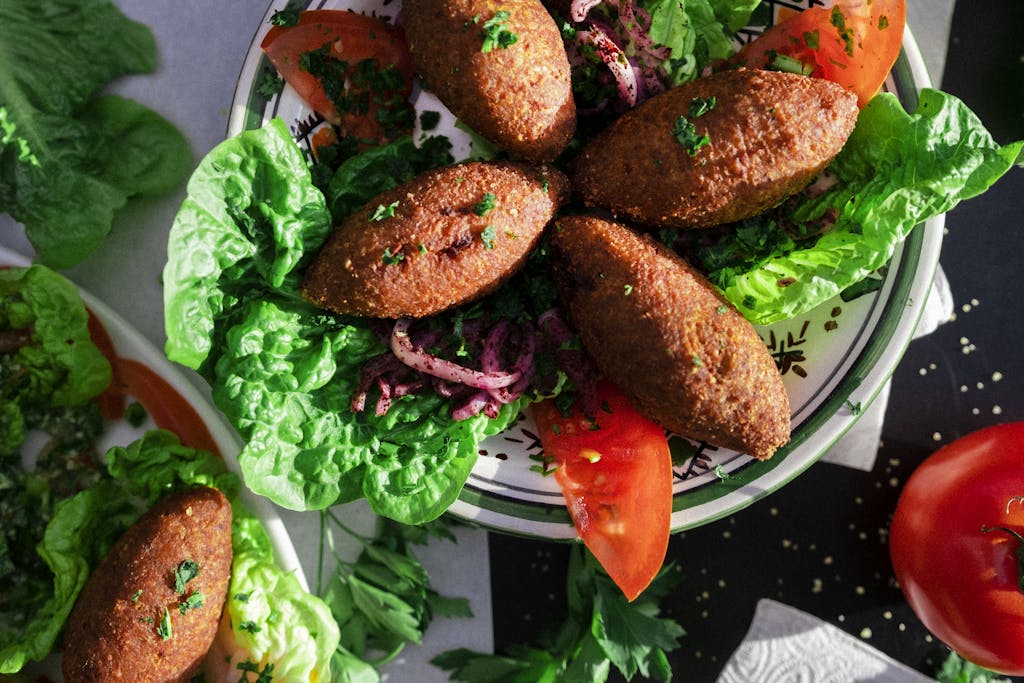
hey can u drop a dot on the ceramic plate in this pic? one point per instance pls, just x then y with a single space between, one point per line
834 360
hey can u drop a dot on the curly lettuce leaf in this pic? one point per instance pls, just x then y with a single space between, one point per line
896 171
70 160
697 31
282 371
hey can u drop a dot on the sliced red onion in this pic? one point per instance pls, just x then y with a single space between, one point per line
418 359
616 61
480 402
579 9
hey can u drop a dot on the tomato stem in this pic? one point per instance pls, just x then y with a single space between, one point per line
1019 552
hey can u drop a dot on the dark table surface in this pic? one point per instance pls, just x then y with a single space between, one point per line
820 542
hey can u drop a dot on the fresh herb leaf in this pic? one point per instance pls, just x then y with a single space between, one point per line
382 212
489 235
495 33
685 134
163 629
264 675
135 414
602 629
136 595
485 205
389 259
429 119
249 627
289 16
195 600
183 573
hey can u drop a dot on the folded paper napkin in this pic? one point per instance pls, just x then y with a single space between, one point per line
786 645
859 446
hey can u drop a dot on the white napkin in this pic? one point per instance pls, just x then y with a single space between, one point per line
859 446
787 645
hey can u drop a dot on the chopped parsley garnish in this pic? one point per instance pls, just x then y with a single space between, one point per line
787 64
429 119
485 205
700 106
883 22
163 629
136 595
854 408
270 83
838 20
382 212
811 39
264 675
495 34
242 597
390 259
183 573
135 414
686 133
488 236
627 290
249 626
696 361
195 600
721 473
289 16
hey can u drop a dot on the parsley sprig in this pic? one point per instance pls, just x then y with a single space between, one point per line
602 630
382 600
495 33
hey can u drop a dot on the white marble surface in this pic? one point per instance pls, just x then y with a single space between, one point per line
202 44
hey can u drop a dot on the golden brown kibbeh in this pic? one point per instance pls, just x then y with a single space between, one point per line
768 135
150 610
519 95
446 237
660 331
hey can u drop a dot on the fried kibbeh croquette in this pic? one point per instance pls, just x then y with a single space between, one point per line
444 238
660 331
518 94
150 609
768 135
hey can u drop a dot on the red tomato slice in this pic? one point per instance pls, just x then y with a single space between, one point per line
854 43
616 475
353 38
162 401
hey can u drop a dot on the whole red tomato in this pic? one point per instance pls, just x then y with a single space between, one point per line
956 543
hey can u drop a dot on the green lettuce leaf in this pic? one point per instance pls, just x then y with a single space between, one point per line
68 159
282 371
697 31
896 171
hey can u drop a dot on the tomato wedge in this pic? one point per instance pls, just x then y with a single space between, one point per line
615 471
853 43
162 401
355 71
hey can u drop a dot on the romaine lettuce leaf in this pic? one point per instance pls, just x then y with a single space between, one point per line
68 160
282 371
895 171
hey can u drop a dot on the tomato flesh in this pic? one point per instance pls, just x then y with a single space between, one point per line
351 38
615 471
853 43
961 580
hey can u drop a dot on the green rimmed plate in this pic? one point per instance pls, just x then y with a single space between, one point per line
834 361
